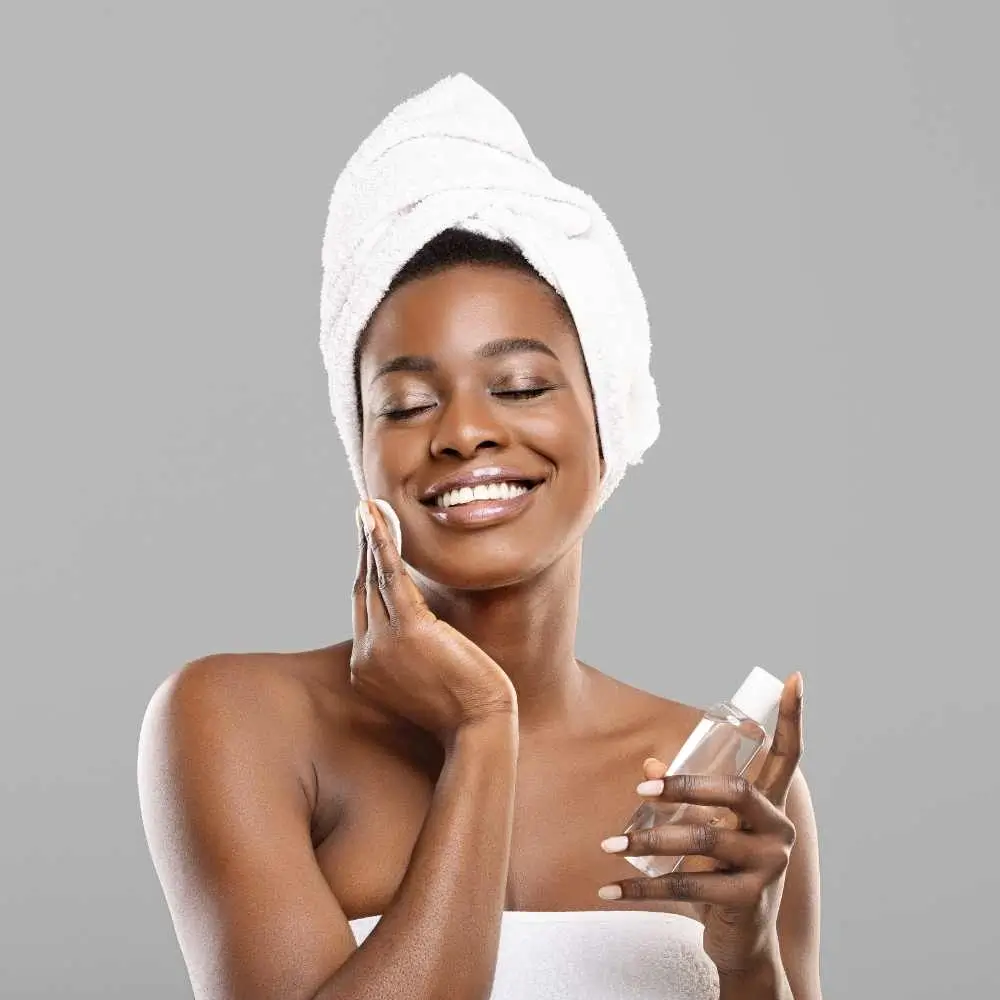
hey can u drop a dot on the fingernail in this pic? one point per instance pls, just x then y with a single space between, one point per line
614 844
654 787
798 685
610 892
366 517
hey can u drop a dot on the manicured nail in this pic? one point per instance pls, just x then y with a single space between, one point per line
654 787
614 844
366 517
610 892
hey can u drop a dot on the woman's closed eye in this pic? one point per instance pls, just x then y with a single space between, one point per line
396 412
509 386
533 393
403 412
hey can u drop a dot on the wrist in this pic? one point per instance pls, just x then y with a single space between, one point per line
761 977
499 725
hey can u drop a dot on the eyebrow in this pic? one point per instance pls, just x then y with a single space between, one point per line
493 349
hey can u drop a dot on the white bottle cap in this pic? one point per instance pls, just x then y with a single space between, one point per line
758 695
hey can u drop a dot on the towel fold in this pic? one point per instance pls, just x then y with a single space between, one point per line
454 157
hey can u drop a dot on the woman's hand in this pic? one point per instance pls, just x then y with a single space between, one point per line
404 658
738 901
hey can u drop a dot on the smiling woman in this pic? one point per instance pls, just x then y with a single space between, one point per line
433 808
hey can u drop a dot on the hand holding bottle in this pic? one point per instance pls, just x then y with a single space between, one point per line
406 659
737 901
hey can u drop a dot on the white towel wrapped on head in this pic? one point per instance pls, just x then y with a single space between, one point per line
454 157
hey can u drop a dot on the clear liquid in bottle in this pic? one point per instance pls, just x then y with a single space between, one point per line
729 739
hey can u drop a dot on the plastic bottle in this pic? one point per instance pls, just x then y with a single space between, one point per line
731 738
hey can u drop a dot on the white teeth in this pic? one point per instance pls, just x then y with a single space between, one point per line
492 491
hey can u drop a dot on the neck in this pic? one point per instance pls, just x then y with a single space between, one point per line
529 629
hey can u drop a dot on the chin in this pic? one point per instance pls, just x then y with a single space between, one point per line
485 571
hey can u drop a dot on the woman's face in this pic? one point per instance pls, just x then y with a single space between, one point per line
469 377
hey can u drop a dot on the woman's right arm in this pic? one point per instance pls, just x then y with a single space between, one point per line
227 795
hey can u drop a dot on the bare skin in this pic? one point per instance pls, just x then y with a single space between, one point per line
571 790
286 794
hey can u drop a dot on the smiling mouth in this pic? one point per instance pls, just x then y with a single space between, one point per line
509 489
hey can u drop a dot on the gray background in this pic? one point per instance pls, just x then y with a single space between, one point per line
809 194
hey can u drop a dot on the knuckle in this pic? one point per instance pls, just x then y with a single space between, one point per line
421 617
703 839
741 788
788 833
360 652
639 843
683 785
360 586
778 861
374 649
681 886
647 842
643 888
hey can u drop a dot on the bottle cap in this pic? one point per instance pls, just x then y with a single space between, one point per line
758 695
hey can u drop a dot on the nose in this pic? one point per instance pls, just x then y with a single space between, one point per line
468 422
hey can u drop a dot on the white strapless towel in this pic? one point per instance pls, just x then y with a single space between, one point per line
596 955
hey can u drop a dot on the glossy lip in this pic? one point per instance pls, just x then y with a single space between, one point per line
478 477
483 513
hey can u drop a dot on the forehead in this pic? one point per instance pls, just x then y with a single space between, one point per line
455 311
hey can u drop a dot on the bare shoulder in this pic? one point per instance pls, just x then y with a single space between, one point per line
246 698
271 684
285 680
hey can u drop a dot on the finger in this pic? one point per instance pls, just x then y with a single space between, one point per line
393 579
734 848
400 594
391 519
727 888
378 616
776 776
359 610
732 791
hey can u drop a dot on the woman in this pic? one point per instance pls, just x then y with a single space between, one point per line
419 812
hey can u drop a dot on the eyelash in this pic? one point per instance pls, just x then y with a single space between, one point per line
506 393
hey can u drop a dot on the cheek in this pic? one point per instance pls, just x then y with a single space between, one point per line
383 459
573 429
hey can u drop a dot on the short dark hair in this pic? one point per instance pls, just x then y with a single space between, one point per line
449 249
459 246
